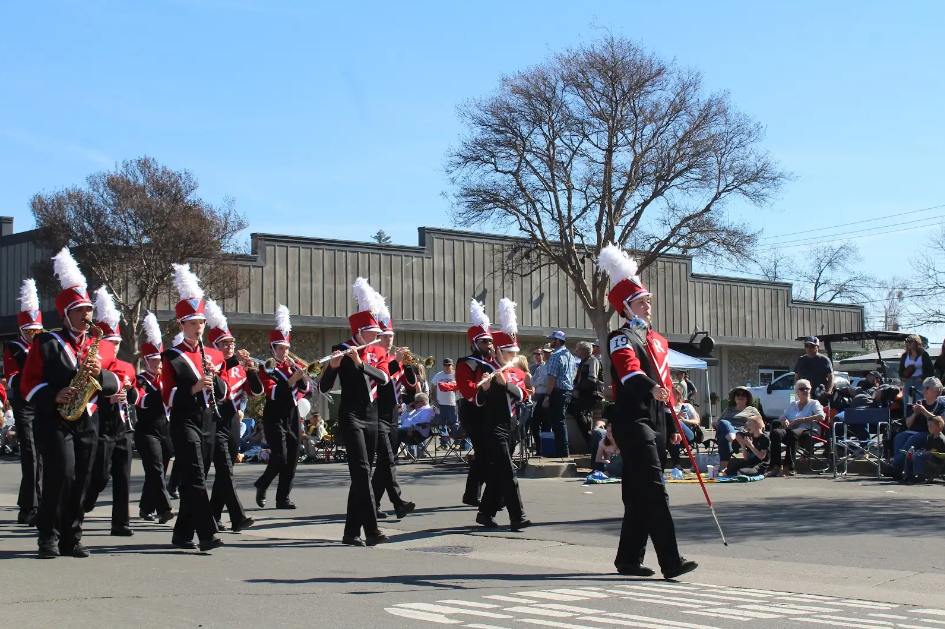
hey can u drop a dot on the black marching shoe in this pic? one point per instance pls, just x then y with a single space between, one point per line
79 551
376 538
31 517
404 509
245 523
472 502
521 525
48 549
165 517
635 570
122 531
206 545
486 521
381 515
146 516
221 526
21 517
173 493
260 498
684 566
186 544
285 504
352 540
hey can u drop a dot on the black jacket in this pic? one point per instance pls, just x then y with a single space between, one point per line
356 383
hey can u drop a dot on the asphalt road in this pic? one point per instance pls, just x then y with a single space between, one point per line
803 551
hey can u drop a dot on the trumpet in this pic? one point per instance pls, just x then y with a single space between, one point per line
267 365
412 359
313 368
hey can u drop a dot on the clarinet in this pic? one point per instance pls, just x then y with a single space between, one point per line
213 391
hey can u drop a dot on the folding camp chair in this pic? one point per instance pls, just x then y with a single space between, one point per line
849 447
457 440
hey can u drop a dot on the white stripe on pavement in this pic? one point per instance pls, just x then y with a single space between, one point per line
779 608
716 615
418 615
477 625
568 608
576 592
931 612
892 616
554 613
741 612
554 596
649 588
509 599
451 601
655 624
674 623
443 609
554 623
838 623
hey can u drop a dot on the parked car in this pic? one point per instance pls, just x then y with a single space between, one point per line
778 395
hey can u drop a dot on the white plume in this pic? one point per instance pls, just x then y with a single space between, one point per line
188 284
215 316
507 316
615 262
29 297
152 331
283 324
478 313
67 270
367 297
105 308
178 339
384 311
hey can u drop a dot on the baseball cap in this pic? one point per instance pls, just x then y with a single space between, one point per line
812 340
447 361
876 375
558 335
596 343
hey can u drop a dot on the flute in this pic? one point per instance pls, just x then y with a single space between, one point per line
348 351
491 374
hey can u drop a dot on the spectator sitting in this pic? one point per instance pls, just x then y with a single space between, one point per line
916 425
756 446
257 438
608 459
8 441
798 420
921 463
915 367
315 432
734 418
598 433
689 420
415 424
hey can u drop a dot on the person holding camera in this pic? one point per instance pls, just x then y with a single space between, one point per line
798 420
755 445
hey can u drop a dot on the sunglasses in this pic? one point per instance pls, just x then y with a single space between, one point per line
802 389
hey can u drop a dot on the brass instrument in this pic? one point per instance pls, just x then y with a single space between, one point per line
412 359
313 368
266 365
83 382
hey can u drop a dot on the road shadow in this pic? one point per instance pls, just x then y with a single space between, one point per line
448 581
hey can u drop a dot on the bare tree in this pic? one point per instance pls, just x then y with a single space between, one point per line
889 311
775 266
381 237
825 274
127 227
602 144
926 302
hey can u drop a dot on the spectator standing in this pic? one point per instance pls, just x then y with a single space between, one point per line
559 384
815 368
798 419
588 386
444 383
915 366
691 389
596 349
539 371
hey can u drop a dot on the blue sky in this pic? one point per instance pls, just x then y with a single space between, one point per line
332 119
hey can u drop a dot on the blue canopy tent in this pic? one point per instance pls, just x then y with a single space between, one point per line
682 362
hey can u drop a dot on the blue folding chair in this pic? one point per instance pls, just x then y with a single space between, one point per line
870 449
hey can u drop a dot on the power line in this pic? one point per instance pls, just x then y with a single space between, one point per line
869 220
830 239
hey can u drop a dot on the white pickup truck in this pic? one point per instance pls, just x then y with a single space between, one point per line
778 395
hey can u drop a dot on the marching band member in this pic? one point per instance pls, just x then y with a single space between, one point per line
499 397
191 390
469 372
30 323
361 373
152 437
284 386
242 379
641 426
388 416
66 447
114 453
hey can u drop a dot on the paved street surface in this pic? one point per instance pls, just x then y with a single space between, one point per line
804 552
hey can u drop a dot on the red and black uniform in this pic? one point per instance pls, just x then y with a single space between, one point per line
410 381
470 370
193 430
242 385
388 418
282 426
67 448
14 359
115 450
153 442
357 420
642 427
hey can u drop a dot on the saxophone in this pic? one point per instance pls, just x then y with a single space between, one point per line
83 381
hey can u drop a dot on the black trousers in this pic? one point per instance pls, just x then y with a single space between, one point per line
582 409
155 455
385 471
360 438
501 476
789 437
646 503
224 492
68 452
112 460
283 437
193 444
479 474
537 421
31 464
